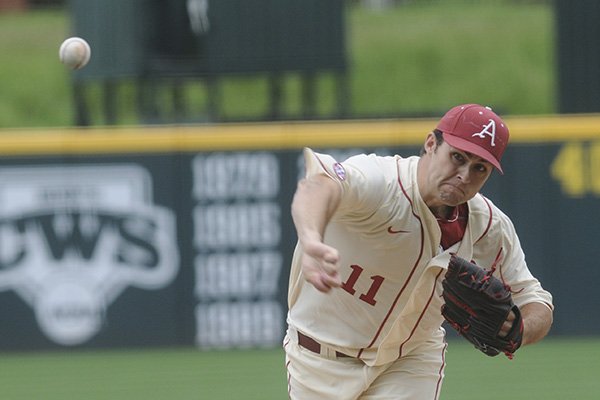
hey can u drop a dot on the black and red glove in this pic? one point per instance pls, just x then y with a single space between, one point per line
477 304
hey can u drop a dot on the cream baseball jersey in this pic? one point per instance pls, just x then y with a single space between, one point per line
391 262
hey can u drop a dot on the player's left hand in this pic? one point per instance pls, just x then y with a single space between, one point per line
480 307
507 325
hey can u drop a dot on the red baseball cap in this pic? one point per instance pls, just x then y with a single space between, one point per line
477 130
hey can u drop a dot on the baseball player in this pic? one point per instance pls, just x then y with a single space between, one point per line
375 236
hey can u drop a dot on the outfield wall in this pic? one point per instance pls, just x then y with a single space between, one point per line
182 235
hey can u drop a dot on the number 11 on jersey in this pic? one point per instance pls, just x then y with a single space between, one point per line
368 297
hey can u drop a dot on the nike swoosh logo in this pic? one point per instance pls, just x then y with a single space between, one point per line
392 231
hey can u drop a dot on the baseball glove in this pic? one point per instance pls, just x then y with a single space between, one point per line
477 304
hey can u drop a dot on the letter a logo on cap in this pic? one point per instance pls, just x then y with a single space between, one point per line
490 130
459 124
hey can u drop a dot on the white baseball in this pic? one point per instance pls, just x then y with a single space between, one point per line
75 52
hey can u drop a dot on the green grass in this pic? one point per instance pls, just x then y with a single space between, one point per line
429 57
556 369
35 86
417 59
143 375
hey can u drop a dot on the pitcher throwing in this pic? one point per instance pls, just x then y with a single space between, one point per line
375 238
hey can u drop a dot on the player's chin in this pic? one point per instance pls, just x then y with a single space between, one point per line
453 198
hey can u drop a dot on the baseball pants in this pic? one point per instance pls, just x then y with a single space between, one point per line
327 376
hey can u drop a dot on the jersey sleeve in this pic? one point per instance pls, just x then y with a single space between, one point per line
360 178
515 272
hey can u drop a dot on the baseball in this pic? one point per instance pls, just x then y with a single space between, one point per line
74 52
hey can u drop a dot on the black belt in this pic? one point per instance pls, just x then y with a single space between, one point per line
311 344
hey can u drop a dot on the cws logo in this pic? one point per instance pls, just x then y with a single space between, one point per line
73 238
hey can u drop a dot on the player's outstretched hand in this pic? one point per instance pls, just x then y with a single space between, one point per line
320 265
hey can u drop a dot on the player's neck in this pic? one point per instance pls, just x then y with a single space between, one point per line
444 212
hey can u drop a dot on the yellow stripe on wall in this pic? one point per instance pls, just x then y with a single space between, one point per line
273 136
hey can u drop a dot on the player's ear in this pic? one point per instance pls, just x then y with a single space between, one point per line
430 143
